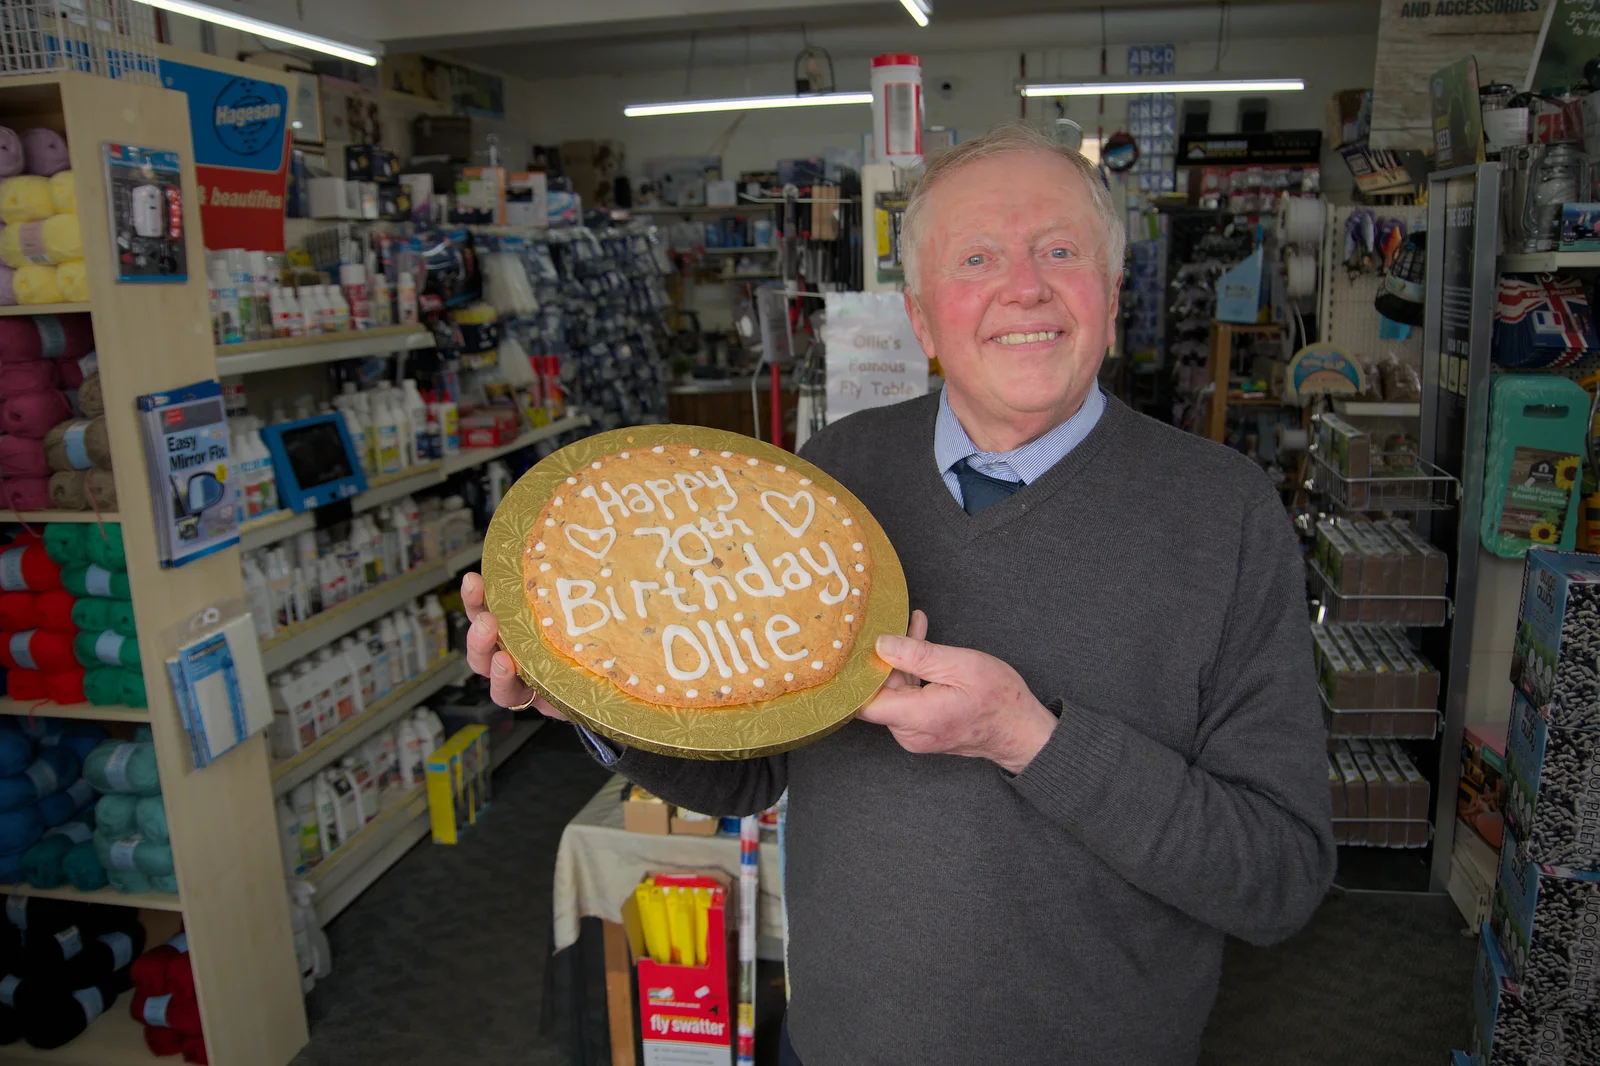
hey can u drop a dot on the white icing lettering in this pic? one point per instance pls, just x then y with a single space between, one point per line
733 649
756 579
639 588
676 632
794 505
824 571
603 537
723 526
637 500
661 489
585 598
616 610
687 483
774 634
672 589
605 505
716 652
721 482
687 530
666 541
794 575
749 639
709 582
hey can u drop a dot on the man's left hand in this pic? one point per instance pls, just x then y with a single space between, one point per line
968 703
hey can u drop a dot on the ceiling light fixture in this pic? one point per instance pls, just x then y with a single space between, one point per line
918 10
1171 85
269 30
745 103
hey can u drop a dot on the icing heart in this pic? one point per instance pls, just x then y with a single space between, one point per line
794 503
608 535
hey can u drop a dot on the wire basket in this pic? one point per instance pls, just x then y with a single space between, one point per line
1383 832
1424 487
108 38
1411 610
1343 723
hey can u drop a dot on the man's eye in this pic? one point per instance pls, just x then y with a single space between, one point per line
976 259
1061 253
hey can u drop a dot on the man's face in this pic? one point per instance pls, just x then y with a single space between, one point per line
1014 299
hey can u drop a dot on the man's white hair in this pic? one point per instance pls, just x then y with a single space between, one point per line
1013 137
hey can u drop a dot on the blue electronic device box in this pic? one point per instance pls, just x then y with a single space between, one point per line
314 462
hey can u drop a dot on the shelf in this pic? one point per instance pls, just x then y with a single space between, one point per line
520 734
352 869
1358 409
464 558
86 711
295 770
46 309
1547 262
156 901
114 1039
300 640
698 209
280 525
257 356
765 249
36 517
1258 401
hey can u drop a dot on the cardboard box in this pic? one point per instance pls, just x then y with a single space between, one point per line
457 774
644 813
593 166
420 188
1558 638
1552 790
685 1012
1547 921
527 202
1506 1033
445 135
1352 830
691 824
334 198
481 196
1480 791
1348 451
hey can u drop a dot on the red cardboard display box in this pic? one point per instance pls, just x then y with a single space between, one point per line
686 1012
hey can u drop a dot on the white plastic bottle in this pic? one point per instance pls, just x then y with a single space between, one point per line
382 680
390 447
421 645
261 285
407 298
227 301
340 308
339 675
406 641
431 726
316 312
377 573
294 717
347 795
357 430
355 767
330 577
327 813
353 280
266 474
304 800
382 763
321 682
289 838
355 653
280 314
417 416
447 421
499 478
438 626
391 648
382 311
258 596
410 742
280 590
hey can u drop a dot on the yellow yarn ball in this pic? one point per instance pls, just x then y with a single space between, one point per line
63 193
25 198
35 284
73 281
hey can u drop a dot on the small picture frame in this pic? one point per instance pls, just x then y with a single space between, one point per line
306 112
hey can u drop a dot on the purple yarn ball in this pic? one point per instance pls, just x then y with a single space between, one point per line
11 154
46 151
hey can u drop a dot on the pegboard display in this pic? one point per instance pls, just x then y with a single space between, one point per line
1345 313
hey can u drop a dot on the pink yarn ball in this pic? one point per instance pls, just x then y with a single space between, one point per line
12 158
45 150
34 414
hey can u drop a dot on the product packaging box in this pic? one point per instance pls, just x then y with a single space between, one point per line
420 189
1547 922
334 198
527 202
1580 227
1348 451
1552 790
481 196
457 774
644 813
691 824
370 162
489 427
1352 829
685 1011
1506 1033
1480 795
1558 638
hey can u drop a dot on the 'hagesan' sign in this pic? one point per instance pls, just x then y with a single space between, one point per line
239 118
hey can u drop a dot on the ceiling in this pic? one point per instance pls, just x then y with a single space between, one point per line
774 36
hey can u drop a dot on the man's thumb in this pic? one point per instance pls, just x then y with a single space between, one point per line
906 653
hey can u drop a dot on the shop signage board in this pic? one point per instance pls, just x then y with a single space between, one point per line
873 356
239 120
1278 147
1571 38
1416 38
1455 321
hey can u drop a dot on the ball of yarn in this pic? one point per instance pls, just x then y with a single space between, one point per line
28 568
25 198
104 545
23 458
16 752
106 648
72 281
69 372
116 812
97 613
35 284
27 685
12 156
52 611
65 686
149 971
36 649
18 611
83 869
63 193
43 864
65 542
34 414
110 686
58 1017
56 808
26 494
78 444
93 580
52 770
45 151
126 881
123 766
11 866
91 399
8 286
150 815
37 375
20 829
177 1014
133 854
74 490
57 239
19 340
26 338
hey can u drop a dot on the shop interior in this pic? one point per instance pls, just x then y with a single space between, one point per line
297 293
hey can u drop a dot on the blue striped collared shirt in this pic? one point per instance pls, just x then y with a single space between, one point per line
1025 464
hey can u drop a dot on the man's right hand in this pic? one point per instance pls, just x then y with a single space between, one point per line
488 660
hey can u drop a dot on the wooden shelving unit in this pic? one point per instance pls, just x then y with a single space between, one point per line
255 357
152 337
44 309
86 711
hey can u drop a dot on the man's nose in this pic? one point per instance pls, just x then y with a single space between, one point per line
1025 284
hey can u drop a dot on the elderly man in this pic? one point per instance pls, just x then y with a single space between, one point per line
1100 751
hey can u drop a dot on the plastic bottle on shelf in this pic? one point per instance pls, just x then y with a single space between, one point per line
227 302
327 799
406 641
353 280
413 513
382 308
304 801
347 802
392 649
409 742
258 596
293 312
422 651
390 534
357 430
382 681
438 627
261 284
499 478
294 720
429 722
341 308
280 314
337 669
318 313
447 421
407 298
355 654
379 753
289 837
244 290
266 474
417 415
280 589
374 537
321 682
355 766
387 423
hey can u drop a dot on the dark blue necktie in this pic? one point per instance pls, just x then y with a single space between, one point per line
980 491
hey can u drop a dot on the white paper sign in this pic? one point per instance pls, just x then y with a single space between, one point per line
873 356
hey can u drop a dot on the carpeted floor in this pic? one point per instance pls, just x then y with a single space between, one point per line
443 961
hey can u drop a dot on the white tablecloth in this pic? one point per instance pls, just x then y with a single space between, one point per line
599 863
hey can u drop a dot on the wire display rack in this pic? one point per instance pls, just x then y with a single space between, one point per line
107 38
1407 484
1413 611
1387 723
1384 832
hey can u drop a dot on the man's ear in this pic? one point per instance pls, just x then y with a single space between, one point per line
1113 304
918 325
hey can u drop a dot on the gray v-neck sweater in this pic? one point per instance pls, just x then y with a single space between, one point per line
1149 590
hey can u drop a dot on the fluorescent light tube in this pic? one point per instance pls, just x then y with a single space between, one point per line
918 10
1124 88
745 103
270 30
